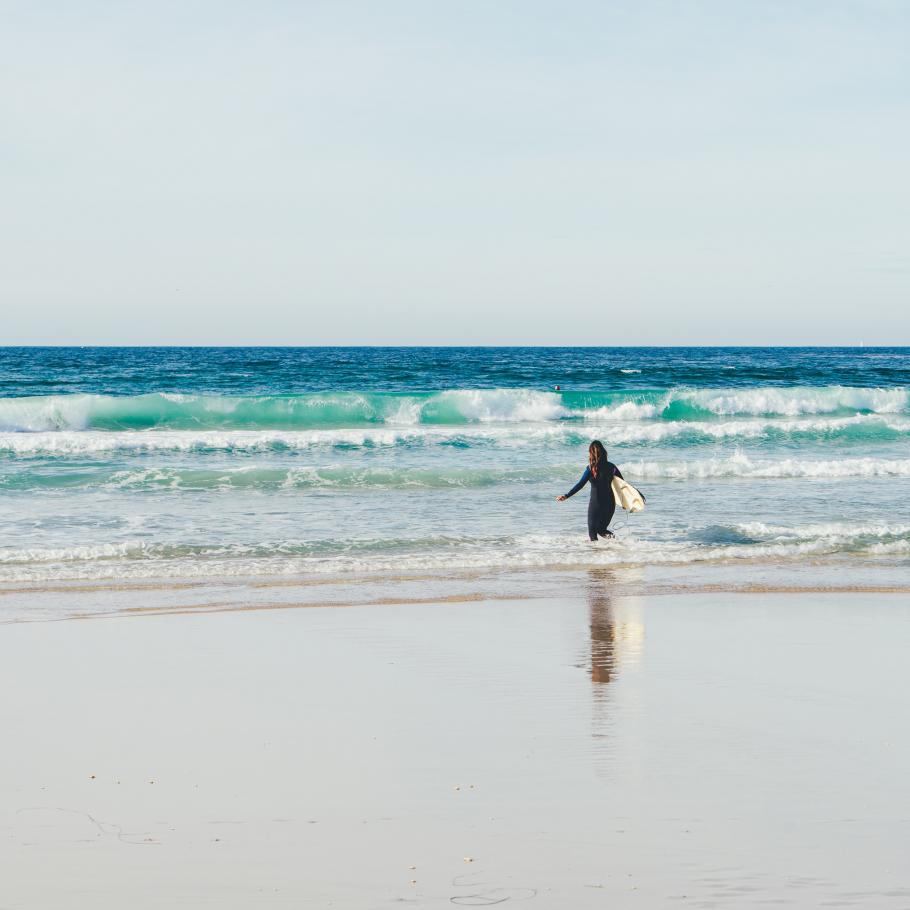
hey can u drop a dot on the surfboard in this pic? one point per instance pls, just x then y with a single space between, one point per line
626 496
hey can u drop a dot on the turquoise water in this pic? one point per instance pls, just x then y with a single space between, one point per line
181 463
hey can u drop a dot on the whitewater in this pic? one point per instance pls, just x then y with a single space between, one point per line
350 466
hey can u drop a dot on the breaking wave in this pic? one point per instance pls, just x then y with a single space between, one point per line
80 412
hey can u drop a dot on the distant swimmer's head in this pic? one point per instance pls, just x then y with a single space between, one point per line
596 454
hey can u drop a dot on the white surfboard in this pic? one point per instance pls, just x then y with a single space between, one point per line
626 496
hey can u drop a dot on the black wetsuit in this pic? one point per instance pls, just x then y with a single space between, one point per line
602 504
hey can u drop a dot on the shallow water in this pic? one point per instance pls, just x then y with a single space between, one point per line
321 463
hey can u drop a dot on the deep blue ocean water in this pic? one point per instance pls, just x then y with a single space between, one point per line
282 371
312 463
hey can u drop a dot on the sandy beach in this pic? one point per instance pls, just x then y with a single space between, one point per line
704 750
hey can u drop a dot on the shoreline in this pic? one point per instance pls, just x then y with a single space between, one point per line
206 608
94 600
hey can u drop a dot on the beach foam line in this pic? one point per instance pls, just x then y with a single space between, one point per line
751 542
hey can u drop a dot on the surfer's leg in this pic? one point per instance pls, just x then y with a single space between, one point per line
593 520
604 519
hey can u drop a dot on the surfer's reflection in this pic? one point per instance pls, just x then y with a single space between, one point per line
603 631
616 636
616 631
603 664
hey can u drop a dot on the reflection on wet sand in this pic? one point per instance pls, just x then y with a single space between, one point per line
616 629
603 626
616 635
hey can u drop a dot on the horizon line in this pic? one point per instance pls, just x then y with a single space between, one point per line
592 347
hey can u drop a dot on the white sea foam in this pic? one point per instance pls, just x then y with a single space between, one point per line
99 441
795 402
837 531
751 541
266 473
613 432
741 466
518 405
626 411
750 428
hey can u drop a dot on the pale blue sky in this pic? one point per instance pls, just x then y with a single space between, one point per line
455 172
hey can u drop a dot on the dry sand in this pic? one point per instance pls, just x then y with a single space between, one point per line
694 750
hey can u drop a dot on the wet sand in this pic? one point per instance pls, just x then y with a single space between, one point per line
691 750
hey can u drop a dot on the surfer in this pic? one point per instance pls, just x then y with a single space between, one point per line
602 505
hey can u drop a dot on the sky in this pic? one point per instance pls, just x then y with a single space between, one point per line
455 172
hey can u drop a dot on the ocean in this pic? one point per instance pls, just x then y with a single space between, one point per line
342 471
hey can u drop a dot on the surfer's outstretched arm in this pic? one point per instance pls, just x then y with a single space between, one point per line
584 479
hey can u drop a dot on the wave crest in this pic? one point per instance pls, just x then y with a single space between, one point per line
457 407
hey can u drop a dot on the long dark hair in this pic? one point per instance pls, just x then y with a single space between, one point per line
596 454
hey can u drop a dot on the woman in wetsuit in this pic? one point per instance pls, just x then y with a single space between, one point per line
602 504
